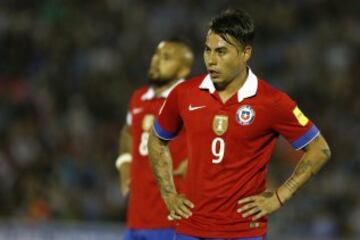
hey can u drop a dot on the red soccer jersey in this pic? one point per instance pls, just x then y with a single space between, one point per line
146 208
229 147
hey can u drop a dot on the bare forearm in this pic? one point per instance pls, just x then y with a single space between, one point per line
123 162
315 156
161 164
125 140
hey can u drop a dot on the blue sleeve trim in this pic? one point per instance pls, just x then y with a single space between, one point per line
161 133
306 138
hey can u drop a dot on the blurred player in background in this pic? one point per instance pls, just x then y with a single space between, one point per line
147 213
233 120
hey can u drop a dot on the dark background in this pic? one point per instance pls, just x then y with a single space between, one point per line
68 68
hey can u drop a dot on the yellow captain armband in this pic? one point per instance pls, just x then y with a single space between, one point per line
302 119
123 158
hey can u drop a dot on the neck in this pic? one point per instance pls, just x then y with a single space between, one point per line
160 90
233 86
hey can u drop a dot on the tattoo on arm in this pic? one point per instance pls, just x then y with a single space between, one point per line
303 166
302 171
326 152
316 154
161 164
267 194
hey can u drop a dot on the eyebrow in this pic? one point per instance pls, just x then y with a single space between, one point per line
217 48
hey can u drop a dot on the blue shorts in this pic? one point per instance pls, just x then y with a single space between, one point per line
185 237
149 234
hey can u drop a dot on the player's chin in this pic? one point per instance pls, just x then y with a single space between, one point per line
219 84
158 82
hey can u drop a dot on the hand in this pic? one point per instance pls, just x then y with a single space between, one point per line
181 169
125 178
178 206
259 206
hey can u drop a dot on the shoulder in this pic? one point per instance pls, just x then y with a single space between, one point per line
272 94
186 86
136 95
141 90
138 92
192 82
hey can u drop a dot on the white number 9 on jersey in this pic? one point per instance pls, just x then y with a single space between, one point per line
218 150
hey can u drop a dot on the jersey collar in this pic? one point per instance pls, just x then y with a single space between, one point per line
150 93
248 89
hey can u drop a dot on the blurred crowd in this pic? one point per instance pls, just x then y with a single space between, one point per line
68 67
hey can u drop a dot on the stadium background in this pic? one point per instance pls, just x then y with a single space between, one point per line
68 67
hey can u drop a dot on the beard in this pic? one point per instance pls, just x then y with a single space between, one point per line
158 82
220 86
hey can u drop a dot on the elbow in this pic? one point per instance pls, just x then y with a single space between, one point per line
324 155
323 149
327 153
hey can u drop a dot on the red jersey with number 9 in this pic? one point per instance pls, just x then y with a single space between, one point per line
229 147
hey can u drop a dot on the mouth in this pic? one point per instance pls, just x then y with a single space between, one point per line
214 74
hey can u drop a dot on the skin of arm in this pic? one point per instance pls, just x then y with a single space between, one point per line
125 141
316 154
161 163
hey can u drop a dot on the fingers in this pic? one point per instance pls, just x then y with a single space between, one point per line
259 215
188 203
173 216
250 206
247 200
125 191
180 208
258 206
125 187
183 211
246 207
251 212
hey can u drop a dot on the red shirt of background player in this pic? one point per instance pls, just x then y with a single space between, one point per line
146 208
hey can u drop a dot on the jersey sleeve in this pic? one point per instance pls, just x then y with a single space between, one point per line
169 122
292 124
129 118
130 108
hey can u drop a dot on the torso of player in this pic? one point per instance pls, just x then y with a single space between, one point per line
230 145
146 207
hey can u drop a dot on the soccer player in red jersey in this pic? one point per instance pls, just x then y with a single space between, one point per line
232 120
147 213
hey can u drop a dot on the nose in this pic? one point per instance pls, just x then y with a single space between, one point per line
211 59
154 60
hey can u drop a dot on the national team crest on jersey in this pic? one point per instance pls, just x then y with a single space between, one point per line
147 122
220 124
245 115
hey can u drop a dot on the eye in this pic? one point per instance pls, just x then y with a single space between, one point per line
221 51
166 57
207 49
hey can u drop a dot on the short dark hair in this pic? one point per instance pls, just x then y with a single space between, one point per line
179 40
187 53
236 23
